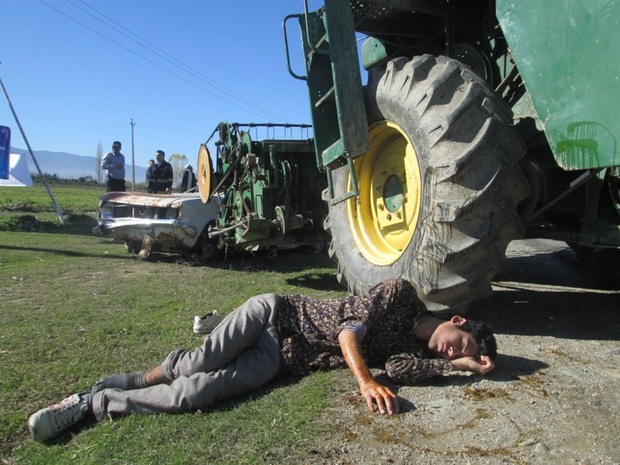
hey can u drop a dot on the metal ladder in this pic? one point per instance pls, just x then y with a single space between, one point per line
335 88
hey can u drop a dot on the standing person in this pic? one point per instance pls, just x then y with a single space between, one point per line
189 178
114 163
270 335
163 173
150 177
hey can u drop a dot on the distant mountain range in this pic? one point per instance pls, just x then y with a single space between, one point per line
71 166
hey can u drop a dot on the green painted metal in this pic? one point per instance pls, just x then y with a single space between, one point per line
347 77
335 87
374 53
567 54
320 82
334 82
270 189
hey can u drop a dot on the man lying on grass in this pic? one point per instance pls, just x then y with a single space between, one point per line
271 335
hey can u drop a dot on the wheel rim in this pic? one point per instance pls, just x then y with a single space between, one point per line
383 217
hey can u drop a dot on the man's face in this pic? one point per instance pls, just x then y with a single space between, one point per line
160 158
116 148
450 341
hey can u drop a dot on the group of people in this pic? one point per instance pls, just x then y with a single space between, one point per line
159 174
276 335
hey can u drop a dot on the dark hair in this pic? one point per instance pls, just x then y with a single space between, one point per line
483 336
117 143
161 152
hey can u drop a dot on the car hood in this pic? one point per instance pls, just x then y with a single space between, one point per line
150 200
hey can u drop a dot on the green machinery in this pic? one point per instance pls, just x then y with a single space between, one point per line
474 123
443 130
269 190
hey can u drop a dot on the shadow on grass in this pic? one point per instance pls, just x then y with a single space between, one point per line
77 224
68 253
229 405
287 261
317 281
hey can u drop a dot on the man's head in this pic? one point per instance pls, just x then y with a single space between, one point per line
483 336
116 146
160 155
459 337
151 162
189 167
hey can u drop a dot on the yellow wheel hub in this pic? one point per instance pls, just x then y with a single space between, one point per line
383 217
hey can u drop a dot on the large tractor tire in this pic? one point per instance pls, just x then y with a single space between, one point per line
438 187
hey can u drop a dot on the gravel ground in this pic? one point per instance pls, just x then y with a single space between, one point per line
552 399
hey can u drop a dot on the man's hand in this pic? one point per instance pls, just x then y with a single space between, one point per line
379 397
480 367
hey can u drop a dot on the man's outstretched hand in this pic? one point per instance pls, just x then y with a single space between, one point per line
480 367
379 398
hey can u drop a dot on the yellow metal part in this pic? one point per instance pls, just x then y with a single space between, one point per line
384 215
205 172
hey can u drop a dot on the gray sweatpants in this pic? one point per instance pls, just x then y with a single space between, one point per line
239 356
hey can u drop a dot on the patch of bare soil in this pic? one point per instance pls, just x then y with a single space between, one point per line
552 399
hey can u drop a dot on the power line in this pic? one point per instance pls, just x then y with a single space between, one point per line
156 64
169 58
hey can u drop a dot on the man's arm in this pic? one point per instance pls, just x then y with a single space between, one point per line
378 397
105 162
411 368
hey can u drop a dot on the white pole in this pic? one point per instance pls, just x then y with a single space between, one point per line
56 208
133 159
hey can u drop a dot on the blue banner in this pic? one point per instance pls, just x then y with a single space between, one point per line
5 151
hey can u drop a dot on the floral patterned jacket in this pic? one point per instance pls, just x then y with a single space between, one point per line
383 319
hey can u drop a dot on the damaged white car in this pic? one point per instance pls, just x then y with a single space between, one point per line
159 222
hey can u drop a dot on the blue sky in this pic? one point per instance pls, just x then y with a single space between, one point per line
78 71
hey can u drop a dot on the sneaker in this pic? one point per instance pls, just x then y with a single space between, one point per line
207 323
51 421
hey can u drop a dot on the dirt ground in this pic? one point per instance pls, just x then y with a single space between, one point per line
552 399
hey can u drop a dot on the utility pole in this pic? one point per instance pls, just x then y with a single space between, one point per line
133 159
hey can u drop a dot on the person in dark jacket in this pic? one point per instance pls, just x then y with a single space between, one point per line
163 174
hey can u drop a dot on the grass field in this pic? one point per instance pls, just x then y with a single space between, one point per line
75 306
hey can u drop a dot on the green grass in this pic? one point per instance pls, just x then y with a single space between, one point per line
31 208
75 306
36 198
